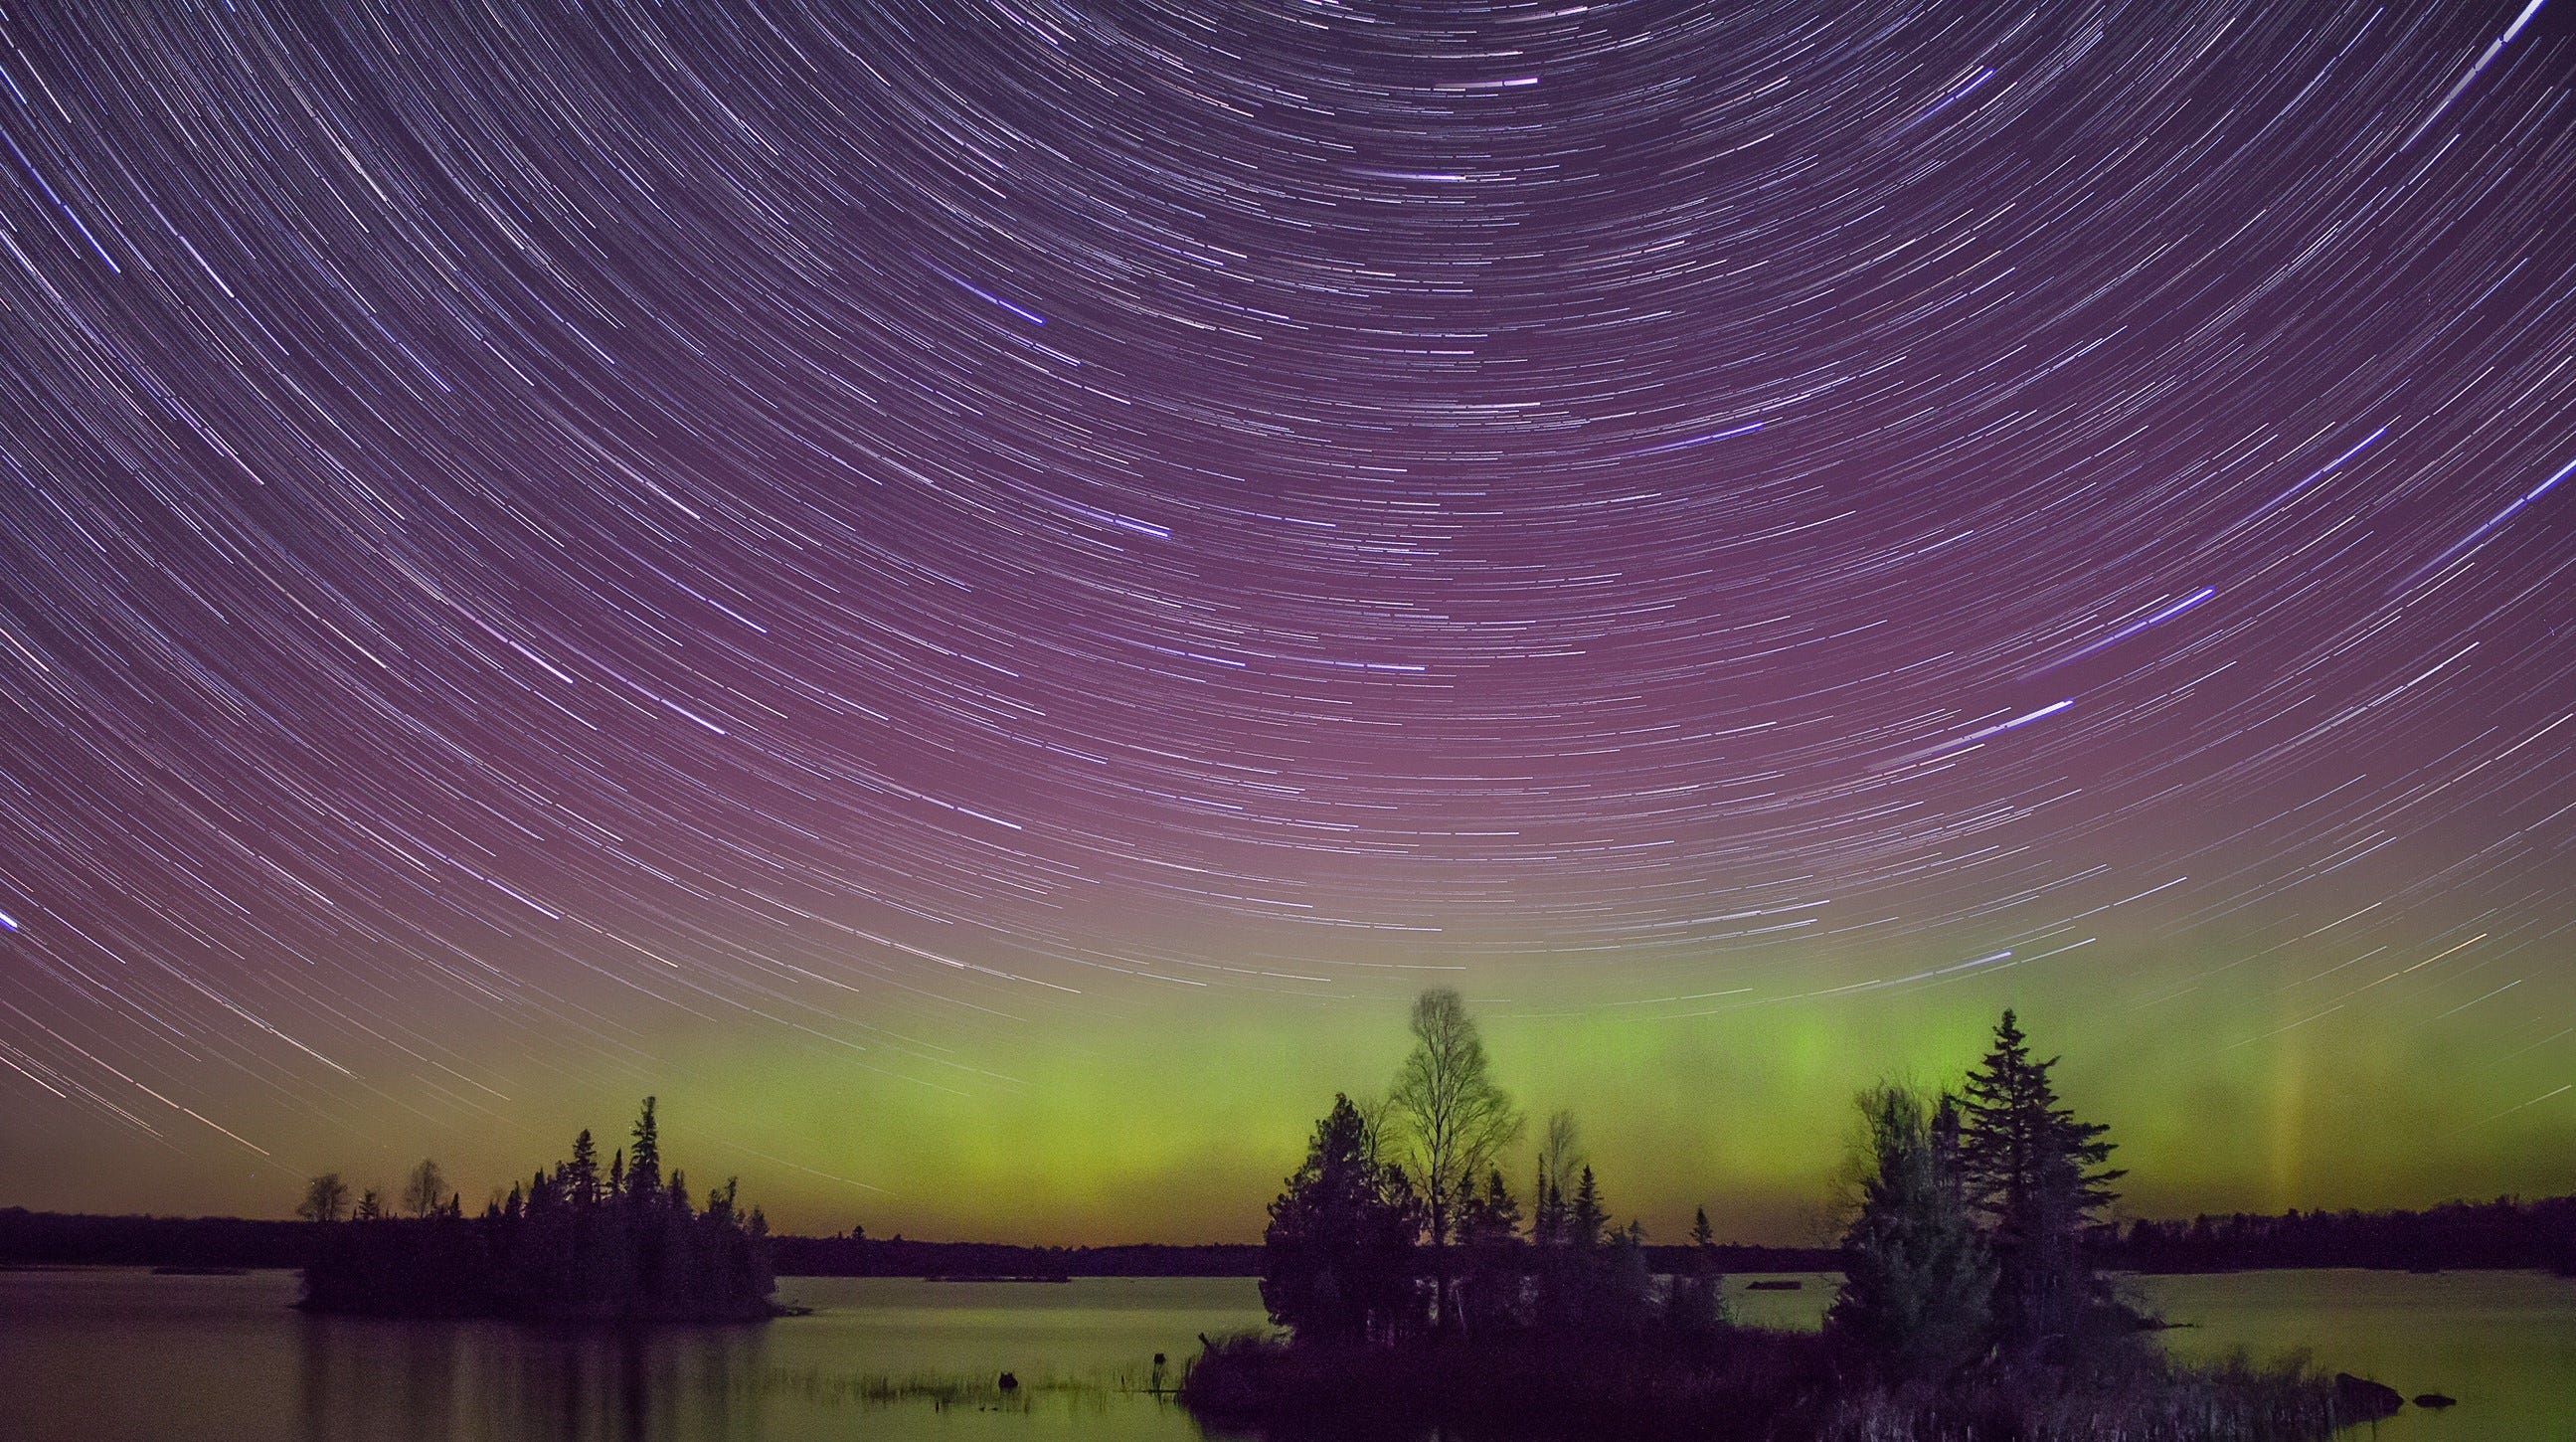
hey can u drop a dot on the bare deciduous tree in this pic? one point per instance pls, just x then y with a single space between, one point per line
326 1199
1452 1118
425 1189
1377 1115
1560 1157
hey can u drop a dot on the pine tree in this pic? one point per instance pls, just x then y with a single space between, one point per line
2036 1175
1489 1224
1337 1258
644 1174
1917 1283
1586 1218
581 1175
1695 1304
1547 1217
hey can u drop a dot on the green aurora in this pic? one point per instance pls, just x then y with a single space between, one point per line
1176 1122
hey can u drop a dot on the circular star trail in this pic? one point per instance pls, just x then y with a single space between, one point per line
912 577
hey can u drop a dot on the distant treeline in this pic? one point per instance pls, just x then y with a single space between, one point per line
77 1239
81 1239
864 1256
860 1255
2504 1233
2456 1236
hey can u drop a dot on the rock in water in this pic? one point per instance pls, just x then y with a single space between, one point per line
2364 1400
2435 1399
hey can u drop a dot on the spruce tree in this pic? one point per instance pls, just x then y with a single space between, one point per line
1586 1218
581 1175
1695 1302
1337 1258
1489 1224
1917 1283
644 1174
2036 1175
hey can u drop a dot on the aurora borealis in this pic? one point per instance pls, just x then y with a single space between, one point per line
977 594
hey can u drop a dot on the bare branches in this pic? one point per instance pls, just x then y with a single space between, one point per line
1453 1118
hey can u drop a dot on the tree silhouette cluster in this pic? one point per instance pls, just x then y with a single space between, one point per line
1399 1224
1337 1257
1979 1229
575 1243
1420 1298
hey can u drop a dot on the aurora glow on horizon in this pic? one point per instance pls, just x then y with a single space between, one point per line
976 595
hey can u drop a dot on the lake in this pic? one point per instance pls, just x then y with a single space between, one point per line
122 1355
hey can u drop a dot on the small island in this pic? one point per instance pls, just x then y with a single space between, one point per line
1973 1304
575 1245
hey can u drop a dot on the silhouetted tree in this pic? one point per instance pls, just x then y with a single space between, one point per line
2036 1174
1489 1224
1593 1281
580 1176
644 1173
1560 1154
1377 1112
1585 1217
425 1190
1454 1119
1917 1283
1337 1259
1695 1300
326 1197
370 1208
545 1253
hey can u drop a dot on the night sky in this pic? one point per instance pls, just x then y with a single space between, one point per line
977 594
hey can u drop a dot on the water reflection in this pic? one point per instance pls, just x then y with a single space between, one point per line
122 1356
435 1381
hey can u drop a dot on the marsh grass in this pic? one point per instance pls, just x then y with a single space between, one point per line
980 1392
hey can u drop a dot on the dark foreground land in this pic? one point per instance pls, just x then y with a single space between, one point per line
1747 1384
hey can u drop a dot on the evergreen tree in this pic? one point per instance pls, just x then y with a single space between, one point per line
1547 1216
1595 1281
581 1174
1695 1302
644 1174
1621 1301
1337 1258
1560 1152
1586 1218
1917 1284
1489 1223
1493 1215
538 1253
2036 1175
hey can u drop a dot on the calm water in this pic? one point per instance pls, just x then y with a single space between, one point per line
115 1355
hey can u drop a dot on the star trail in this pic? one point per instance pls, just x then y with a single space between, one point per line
975 594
